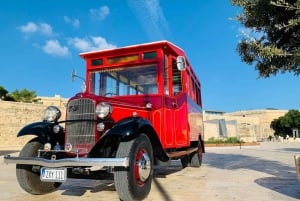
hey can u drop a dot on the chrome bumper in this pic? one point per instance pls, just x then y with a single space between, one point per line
68 162
297 164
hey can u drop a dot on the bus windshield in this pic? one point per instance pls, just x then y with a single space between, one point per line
124 81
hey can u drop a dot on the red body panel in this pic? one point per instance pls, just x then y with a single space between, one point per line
177 119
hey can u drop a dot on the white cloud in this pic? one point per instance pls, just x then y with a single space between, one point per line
151 17
45 29
100 13
74 22
101 43
80 44
31 27
54 48
90 43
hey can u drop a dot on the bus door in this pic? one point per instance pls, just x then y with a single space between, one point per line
175 107
180 112
169 102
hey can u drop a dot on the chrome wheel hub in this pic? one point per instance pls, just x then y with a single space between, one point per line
144 167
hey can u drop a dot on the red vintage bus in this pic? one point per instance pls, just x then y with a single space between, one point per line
141 106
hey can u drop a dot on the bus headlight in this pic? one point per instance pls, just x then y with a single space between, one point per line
101 126
103 110
56 129
51 113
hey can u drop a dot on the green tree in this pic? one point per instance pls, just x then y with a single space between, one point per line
272 42
3 93
23 95
284 125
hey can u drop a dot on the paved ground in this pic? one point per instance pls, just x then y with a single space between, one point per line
265 172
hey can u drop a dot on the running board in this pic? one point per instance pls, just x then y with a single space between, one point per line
182 153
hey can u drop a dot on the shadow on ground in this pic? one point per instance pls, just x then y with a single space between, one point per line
78 187
283 181
295 150
4 152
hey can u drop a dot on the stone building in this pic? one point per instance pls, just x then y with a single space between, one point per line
57 100
15 115
248 125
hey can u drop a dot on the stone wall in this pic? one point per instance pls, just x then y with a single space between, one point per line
248 125
13 117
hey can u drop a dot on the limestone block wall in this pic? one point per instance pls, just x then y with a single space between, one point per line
13 117
251 125
248 125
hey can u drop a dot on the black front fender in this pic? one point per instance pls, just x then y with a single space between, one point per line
43 130
126 130
129 128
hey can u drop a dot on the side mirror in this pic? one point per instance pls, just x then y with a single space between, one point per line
73 75
180 62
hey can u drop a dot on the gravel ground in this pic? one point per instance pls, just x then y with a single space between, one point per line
264 172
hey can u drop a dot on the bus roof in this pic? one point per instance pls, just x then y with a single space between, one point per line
137 47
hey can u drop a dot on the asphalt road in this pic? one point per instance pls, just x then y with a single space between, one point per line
264 172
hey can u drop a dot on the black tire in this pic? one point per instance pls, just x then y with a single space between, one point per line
29 180
134 182
185 161
194 159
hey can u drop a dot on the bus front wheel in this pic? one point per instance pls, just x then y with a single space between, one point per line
134 182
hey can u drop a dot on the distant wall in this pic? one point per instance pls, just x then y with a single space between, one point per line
249 125
14 116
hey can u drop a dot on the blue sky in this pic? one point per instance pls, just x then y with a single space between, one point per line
41 41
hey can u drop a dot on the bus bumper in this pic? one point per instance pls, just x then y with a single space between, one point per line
68 162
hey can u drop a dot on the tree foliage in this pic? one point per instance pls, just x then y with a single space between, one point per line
19 96
284 125
23 95
273 43
3 93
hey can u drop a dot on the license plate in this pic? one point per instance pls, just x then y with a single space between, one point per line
53 174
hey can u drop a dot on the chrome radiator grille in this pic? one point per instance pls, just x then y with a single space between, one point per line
80 125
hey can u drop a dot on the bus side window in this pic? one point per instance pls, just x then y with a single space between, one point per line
176 78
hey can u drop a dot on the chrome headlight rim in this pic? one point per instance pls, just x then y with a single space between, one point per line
51 114
103 110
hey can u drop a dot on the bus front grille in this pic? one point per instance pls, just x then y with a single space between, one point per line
80 125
